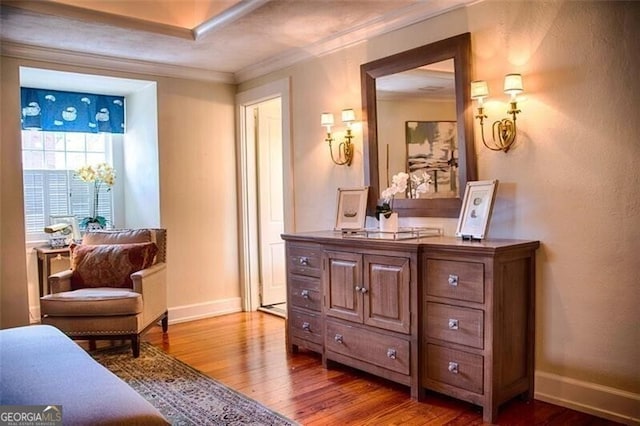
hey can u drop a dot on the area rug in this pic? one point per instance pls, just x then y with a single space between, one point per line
181 393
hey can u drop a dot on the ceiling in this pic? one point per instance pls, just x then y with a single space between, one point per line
219 40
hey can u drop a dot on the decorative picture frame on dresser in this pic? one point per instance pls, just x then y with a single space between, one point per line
352 207
477 206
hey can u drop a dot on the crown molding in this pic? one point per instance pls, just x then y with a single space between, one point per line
101 62
395 20
228 16
92 16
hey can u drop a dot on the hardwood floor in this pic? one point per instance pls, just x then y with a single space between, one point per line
246 351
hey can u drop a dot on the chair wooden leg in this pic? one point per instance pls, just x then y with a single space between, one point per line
165 322
135 345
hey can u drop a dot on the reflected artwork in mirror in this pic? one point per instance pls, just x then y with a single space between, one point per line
419 120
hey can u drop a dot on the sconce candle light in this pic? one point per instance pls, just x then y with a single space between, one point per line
345 149
505 129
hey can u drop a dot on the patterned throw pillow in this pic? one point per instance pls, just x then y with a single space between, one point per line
109 265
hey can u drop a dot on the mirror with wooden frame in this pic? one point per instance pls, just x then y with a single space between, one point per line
421 132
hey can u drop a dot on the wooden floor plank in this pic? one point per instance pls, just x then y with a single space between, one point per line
246 351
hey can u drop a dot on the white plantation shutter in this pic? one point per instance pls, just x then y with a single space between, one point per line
81 198
34 202
58 193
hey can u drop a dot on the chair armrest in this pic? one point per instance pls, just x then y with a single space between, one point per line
152 284
60 282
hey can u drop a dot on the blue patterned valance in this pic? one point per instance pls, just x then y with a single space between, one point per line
57 111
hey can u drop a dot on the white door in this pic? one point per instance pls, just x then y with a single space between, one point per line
270 201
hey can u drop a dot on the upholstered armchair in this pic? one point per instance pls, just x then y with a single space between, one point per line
116 287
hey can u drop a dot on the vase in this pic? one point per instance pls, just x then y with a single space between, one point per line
93 226
389 224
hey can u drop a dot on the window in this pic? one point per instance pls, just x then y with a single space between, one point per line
49 160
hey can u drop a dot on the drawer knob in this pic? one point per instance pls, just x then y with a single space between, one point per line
453 280
453 367
306 326
304 294
304 261
391 353
453 324
338 338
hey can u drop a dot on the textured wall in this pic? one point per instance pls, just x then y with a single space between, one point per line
571 181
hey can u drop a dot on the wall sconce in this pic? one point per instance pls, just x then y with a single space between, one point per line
505 129
345 149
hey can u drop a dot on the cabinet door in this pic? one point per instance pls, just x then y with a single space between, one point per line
386 295
343 285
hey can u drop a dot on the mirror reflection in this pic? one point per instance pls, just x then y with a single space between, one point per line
419 121
419 134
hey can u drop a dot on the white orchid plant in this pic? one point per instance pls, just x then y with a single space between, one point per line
398 186
100 175
402 183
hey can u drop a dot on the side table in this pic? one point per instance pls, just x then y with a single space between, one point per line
45 254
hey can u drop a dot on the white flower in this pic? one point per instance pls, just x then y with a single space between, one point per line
398 185
420 183
99 174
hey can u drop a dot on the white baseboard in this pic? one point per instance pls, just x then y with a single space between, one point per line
34 314
184 313
602 401
198 311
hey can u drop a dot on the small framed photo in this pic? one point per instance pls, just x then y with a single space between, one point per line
475 213
352 206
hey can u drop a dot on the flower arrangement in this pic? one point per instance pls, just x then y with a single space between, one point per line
100 175
413 185
398 185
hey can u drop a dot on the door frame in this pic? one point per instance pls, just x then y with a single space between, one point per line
247 205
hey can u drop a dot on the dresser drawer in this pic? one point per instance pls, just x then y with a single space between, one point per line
455 280
304 292
304 260
306 326
455 324
384 351
455 368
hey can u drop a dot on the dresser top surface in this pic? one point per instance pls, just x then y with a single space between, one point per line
337 237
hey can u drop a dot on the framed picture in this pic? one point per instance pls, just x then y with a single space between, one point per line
352 206
432 154
477 205
71 231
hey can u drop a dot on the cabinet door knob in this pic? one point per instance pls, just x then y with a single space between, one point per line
453 280
453 367
453 324
358 288
363 290
304 294
304 261
391 353
306 326
338 338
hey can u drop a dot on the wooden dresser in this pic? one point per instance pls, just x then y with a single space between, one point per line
434 313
